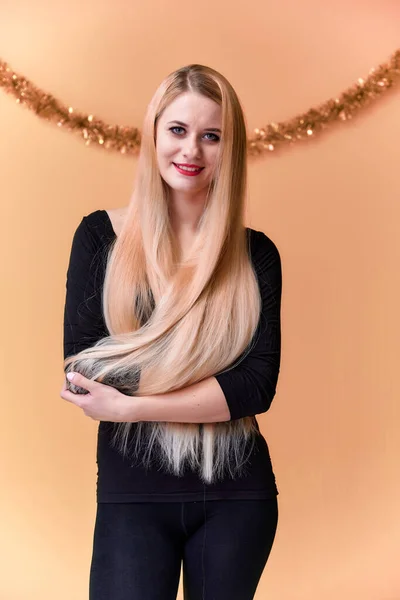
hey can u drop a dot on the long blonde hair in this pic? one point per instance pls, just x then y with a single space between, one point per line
173 323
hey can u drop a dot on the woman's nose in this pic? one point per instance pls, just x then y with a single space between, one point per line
191 147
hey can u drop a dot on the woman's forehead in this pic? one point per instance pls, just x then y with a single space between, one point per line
192 108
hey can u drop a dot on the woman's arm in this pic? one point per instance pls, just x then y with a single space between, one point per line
202 402
250 387
83 321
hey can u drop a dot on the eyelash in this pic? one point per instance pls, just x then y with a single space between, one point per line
178 127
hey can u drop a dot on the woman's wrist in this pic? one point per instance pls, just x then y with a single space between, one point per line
131 408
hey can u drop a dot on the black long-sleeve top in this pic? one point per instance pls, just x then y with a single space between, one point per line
248 388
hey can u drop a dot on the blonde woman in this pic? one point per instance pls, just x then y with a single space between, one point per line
172 341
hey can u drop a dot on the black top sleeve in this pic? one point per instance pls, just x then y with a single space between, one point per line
83 319
250 386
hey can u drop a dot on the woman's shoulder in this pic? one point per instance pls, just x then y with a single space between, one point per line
261 244
93 235
105 224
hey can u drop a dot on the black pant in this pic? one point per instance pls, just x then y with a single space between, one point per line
138 548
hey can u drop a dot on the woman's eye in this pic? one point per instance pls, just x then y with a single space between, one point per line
172 128
215 138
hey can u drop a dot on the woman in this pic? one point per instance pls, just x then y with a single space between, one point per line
176 377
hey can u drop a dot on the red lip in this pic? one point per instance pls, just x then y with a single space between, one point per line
189 173
187 165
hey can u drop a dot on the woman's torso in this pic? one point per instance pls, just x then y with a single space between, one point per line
122 480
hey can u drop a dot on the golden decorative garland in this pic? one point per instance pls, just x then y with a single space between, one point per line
126 140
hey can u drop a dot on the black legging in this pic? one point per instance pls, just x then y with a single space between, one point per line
138 549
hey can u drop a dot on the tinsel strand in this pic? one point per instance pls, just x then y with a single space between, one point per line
342 108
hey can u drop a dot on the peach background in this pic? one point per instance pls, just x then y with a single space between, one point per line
330 205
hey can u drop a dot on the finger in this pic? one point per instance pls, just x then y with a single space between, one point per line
64 387
81 381
77 399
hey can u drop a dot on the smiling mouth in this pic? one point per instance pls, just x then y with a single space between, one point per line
188 170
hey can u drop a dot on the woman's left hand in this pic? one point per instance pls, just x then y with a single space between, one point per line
102 403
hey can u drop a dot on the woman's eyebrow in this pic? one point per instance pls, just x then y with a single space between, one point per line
184 125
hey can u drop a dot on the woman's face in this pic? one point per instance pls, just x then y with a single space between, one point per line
188 133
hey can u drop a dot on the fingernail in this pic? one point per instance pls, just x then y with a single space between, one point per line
70 376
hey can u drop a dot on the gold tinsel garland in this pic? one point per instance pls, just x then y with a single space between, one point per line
126 140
